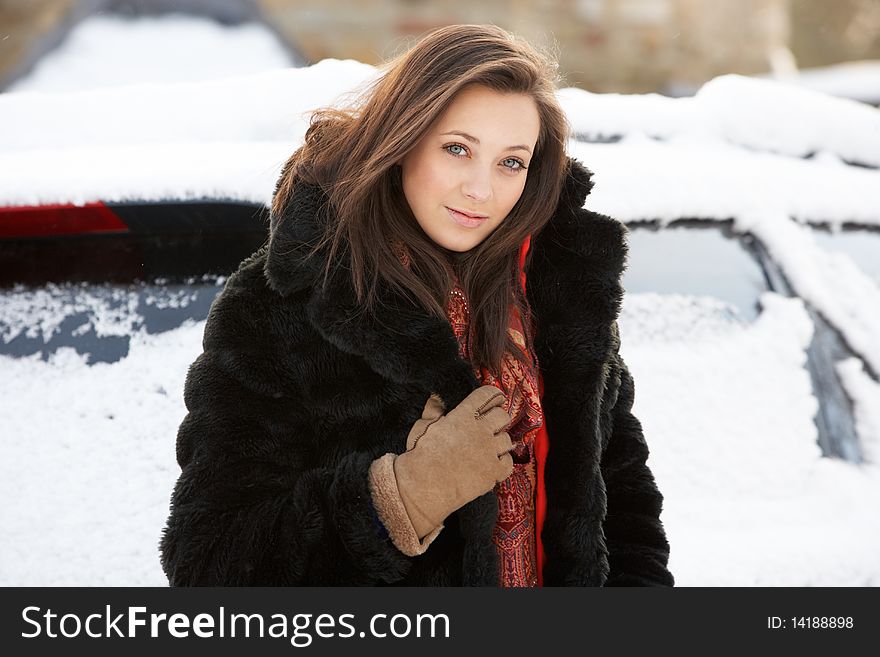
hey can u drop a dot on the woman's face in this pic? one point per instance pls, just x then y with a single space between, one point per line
473 159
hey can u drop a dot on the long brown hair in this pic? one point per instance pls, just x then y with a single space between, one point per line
350 152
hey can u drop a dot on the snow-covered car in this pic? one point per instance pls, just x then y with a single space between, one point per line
752 343
104 43
71 259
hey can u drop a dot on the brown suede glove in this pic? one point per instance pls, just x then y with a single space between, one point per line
450 460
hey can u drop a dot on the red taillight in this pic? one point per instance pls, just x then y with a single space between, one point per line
52 220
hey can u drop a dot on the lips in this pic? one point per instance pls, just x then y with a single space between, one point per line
465 220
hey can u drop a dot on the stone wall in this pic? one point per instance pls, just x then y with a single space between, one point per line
603 45
825 32
671 46
24 23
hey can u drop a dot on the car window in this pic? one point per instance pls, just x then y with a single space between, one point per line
695 258
862 244
97 320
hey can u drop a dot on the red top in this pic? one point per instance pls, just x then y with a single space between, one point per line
542 441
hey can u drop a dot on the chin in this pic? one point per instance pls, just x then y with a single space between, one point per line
457 246
452 239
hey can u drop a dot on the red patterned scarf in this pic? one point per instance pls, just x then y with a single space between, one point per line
515 533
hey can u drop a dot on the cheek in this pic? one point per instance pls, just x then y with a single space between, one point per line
425 180
436 176
513 192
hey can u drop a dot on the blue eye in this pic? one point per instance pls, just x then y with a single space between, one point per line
517 166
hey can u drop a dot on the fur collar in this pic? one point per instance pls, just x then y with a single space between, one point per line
406 344
299 227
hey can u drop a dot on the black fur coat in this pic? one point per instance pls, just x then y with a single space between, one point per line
294 396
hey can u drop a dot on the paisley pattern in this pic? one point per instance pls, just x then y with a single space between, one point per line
514 535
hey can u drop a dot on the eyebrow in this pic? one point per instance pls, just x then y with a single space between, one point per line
518 147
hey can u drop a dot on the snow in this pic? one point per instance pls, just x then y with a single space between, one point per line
760 115
725 399
89 456
752 480
749 501
702 177
104 51
151 142
859 80
865 393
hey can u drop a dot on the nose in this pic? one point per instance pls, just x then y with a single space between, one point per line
477 187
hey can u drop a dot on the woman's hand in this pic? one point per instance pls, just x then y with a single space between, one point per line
454 458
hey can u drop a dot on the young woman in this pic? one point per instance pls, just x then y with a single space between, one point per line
417 381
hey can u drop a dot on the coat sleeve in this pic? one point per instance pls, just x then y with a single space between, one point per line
249 508
638 551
